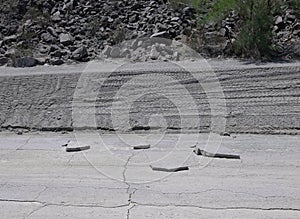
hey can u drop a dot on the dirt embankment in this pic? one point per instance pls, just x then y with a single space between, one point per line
259 99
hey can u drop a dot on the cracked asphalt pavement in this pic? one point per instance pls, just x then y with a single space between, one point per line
38 179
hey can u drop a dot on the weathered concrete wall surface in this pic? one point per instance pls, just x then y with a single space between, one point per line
259 99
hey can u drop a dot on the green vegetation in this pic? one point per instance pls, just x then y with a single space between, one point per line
255 37
256 20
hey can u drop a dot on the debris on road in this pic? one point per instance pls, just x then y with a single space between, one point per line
225 134
66 144
177 169
142 147
198 151
77 149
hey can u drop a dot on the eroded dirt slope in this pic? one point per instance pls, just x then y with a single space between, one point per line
259 98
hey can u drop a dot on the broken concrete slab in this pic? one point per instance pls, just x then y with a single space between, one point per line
66 144
191 212
204 153
142 147
78 212
176 169
77 149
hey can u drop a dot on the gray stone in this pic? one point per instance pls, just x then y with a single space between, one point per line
141 44
47 37
52 31
44 49
175 19
296 26
133 18
275 28
134 44
69 5
53 48
115 52
11 38
66 39
176 56
41 60
296 33
163 34
278 20
106 51
56 53
125 53
10 53
161 27
188 11
291 17
2 50
154 54
80 54
56 62
56 17
222 32
25 62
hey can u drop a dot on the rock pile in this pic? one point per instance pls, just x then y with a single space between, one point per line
62 31
65 31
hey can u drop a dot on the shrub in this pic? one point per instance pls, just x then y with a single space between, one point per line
255 37
255 27
255 24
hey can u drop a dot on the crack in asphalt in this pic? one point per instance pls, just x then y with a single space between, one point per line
27 141
125 169
45 204
215 208
18 148
133 204
205 191
40 193
35 210
128 211
130 193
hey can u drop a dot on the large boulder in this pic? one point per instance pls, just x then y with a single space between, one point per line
25 62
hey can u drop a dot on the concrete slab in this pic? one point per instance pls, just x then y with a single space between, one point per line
179 212
114 181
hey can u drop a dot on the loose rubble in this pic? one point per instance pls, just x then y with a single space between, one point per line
34 32
141 147
204 153
67 31
177 169
77 149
